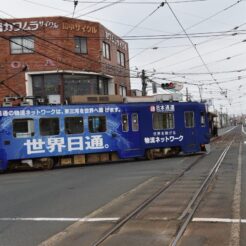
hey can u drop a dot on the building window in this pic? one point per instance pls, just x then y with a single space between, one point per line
189 119
106 50
162 121
22 45
122 90
49 126
120 58
84 85
68 85
74 125
103 86
97 124
44 85
23 128
81 45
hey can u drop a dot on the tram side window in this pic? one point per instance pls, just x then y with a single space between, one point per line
135 125
74 125
203 122
189 119
162 121
23 128
49 126
124 120
97 124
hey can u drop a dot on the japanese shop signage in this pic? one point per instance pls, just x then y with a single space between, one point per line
27 25
115 40
79 27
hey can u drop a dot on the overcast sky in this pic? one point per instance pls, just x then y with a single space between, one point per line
198 42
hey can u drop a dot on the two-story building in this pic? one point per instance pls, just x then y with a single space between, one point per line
61 56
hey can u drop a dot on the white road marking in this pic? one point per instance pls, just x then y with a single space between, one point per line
219 220
228 130
236 212
243 130
61 219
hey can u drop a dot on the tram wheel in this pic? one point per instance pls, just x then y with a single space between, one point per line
48 164
150 154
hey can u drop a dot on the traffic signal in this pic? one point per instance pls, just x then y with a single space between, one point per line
167 86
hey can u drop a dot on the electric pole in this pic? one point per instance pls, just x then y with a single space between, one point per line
144 83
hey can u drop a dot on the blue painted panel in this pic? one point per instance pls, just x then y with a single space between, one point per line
127 144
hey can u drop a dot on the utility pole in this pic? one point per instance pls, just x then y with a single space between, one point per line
187 94
221 116
200 91
144 83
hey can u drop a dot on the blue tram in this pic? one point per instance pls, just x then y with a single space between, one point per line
44 136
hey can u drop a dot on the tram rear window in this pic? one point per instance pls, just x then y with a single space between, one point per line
23 128
97 124
124 120
49 126
162 121
189 119
203 122
74 125
135 125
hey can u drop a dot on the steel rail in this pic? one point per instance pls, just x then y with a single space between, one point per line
140 207
195 201
145 203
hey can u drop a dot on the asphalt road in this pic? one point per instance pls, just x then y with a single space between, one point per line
67 193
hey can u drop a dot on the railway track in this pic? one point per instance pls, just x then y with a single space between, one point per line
189 211
205 176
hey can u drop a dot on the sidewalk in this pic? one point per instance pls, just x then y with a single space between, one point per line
224 130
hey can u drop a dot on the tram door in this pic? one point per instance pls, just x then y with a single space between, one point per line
131 131
190 131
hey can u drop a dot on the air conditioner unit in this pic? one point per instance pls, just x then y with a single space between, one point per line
54 99
25 104
7 104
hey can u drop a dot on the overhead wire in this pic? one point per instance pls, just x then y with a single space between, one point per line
198 44
204 54
98 9
194 46
145 2
144 19
194 25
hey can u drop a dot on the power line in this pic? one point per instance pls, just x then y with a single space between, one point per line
144 3
98 9
205 54
194 46
2 82
194 25
204 73
150 37
144 19
44 5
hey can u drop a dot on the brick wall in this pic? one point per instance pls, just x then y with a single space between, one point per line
54 50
